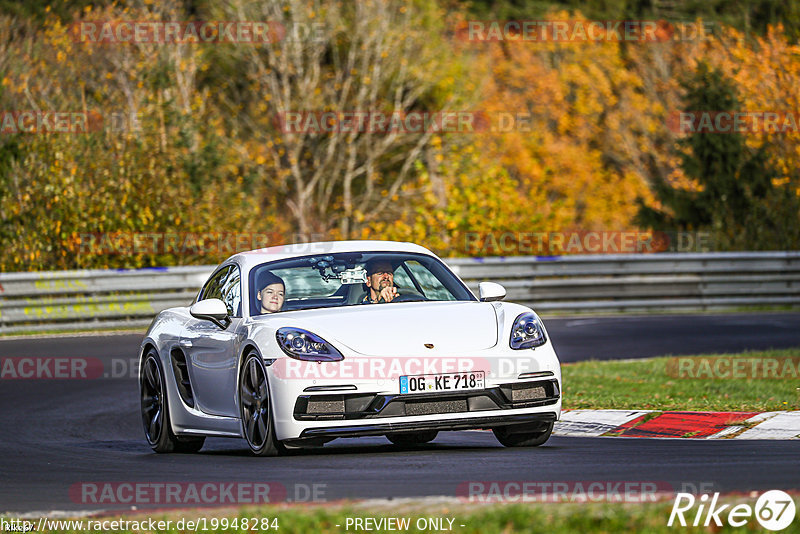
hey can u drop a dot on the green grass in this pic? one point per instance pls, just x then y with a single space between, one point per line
566 313
555 518
646 384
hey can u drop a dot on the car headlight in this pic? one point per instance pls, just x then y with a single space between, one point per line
303 345
527 332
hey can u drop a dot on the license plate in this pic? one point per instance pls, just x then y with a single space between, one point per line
441 382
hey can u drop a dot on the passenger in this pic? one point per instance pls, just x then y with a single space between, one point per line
272 292
380 282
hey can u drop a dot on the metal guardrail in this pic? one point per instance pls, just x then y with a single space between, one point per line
81 300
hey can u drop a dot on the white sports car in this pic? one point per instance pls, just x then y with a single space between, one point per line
297 345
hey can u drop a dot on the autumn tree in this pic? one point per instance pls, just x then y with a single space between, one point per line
156 161
373 56
736 199
208 152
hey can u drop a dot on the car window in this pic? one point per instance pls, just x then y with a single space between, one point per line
232 292
338 279
213 287
306 283
225 285
402 280
432 288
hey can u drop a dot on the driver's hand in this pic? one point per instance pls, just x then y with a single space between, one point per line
388 293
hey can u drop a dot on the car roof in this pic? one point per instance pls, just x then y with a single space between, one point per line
249 259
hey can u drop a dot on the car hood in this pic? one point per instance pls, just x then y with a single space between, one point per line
404 328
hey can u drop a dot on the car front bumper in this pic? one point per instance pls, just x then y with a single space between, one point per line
466 423
335 407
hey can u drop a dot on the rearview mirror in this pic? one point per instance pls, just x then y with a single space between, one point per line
490 291
213 310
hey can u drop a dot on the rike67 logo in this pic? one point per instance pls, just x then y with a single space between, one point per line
774 510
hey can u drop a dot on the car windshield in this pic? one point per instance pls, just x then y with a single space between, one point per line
341 279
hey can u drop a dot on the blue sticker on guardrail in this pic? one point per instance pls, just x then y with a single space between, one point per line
157 269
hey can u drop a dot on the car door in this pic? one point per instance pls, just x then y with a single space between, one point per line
211 352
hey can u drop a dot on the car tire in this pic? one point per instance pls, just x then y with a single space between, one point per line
523 436
155 410
412 438
255 408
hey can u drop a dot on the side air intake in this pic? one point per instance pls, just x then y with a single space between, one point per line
182 377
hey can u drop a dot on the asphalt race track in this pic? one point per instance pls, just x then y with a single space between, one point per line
613 338
58 434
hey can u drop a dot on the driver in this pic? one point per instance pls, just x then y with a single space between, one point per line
380 282
272 292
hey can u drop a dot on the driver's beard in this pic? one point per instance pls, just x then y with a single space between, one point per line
381 284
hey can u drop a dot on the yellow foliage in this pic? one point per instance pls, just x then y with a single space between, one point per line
590 126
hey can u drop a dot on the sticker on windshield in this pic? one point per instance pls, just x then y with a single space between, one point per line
354 276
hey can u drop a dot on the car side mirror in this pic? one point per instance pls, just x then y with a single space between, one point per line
213 310
490 291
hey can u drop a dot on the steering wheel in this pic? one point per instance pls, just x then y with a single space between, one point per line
409 297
